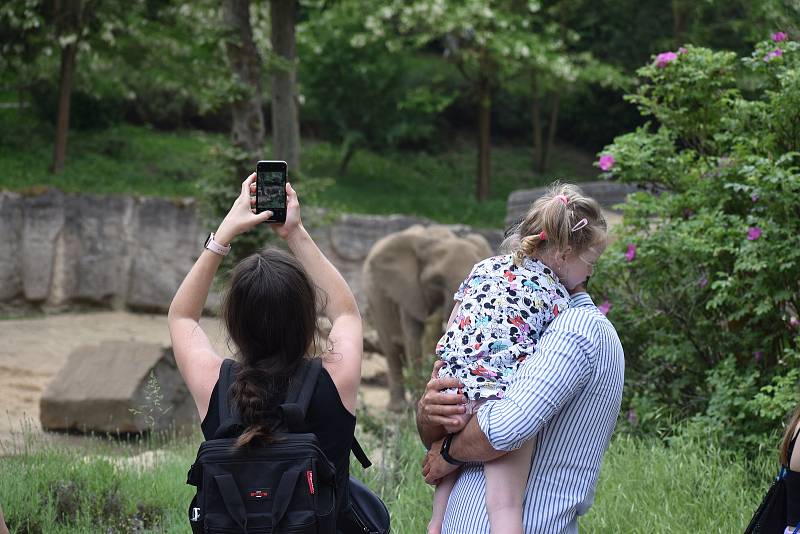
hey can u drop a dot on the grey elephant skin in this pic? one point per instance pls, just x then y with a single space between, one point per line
407 277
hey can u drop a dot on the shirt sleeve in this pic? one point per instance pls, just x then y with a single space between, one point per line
560 368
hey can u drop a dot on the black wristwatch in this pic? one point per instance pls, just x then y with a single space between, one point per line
445 452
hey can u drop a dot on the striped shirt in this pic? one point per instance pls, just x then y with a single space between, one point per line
566 397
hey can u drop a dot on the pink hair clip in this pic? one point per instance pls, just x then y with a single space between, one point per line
542 236
563 198
580 224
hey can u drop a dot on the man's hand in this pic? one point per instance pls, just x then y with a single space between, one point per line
434 467
436 407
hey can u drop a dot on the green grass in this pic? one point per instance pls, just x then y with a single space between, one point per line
644 486
128 159
123 159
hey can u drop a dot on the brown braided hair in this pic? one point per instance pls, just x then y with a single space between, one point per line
270 313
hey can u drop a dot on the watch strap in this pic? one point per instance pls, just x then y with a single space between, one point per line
445 452
215 247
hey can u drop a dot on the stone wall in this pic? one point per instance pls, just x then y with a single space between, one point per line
69 250
63 251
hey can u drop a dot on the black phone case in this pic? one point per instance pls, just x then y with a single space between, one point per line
278 214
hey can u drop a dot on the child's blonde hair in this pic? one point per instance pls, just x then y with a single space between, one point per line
563 217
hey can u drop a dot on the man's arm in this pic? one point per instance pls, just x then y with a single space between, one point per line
545 382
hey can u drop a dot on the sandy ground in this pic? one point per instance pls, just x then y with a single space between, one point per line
32 351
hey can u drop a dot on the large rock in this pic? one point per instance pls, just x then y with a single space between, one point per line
11 223
96 244
168 241
117 387
607 194
43 222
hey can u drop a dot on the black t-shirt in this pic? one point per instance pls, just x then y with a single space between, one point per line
327 417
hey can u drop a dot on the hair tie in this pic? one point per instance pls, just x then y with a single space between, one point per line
580 224
563 198
542 236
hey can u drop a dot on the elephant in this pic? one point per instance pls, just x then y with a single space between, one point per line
407 277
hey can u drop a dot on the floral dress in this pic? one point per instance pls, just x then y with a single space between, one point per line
504 311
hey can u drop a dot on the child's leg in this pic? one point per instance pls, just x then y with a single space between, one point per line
440 496
505 487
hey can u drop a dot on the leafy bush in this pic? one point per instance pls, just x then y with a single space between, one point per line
360 93
704 280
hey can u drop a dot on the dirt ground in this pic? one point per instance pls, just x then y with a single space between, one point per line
32 351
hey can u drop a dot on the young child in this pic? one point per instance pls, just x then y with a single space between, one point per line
501 311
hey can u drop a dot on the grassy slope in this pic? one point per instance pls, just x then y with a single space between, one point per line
644 486
129 159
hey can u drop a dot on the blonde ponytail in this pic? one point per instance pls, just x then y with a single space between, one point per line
562 218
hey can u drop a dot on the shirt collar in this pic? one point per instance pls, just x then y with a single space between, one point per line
580 299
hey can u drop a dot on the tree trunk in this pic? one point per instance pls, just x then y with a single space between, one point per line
68 19
536 123
285 121
551 131
68 54
680 18
484 137
247 119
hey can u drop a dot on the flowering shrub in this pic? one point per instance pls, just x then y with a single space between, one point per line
703 283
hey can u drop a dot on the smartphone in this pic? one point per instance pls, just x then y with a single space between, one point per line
271 189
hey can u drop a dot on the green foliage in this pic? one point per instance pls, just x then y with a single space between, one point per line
706 298
644 486
360 94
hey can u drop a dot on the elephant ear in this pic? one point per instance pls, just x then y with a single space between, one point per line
395 266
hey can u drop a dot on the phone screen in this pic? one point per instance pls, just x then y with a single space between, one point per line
271 189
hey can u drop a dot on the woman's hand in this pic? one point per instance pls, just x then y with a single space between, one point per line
241 218
293 222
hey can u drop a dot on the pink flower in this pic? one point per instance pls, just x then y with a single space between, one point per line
754 197
775 53
703 282
757 355
606 162
604 307
753 233
665 58
631 253
682 51
794 322
779 36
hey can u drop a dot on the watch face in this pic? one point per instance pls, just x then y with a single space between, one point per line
208 240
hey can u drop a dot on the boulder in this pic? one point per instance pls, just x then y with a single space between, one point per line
43 222
11 224
117 387
168 240
96 245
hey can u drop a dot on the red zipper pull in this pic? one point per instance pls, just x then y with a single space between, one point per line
310 478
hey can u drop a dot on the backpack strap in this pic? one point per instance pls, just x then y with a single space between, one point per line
301 389
359 453
232 499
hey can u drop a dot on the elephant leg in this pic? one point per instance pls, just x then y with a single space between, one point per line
412 345
385 317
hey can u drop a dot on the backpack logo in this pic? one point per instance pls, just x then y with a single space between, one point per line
195 515
258 494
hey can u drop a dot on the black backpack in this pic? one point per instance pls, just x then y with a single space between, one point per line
286 486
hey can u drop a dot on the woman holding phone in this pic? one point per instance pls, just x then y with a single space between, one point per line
270 313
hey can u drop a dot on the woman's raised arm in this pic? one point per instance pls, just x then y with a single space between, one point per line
342 358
